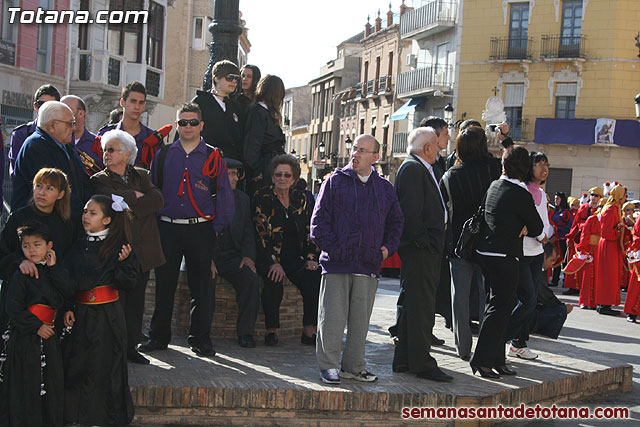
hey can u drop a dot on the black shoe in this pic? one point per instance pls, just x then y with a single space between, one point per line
246 341
631 318
435 374
203 350
400 367
436 341
308 340
135 357
503 370
484 372
271 339
607 311
571 292
150 346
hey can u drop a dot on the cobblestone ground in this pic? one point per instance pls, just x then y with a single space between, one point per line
589 342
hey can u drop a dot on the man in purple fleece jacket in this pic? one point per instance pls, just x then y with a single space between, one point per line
357 223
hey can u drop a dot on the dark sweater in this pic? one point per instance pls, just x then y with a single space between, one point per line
222 129
508 208
262 141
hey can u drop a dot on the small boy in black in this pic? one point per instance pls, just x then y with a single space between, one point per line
32 378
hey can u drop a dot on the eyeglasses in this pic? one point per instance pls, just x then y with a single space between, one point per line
232 78
281 174
40 103
362 151
192 122
71 123
111 150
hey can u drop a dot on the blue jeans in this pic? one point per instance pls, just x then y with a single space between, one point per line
529 276
464 275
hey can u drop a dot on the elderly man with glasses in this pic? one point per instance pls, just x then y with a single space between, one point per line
50 147
357 223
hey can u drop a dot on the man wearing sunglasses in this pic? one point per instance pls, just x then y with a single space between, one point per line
223 122
21 133
50 147
357 223
134 102
189 173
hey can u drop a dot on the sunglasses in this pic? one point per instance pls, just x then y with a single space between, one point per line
111 150
281 174
595 195
232 77
192 122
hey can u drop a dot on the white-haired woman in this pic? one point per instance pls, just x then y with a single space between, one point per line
145 200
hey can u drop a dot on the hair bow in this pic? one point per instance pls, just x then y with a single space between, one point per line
118 205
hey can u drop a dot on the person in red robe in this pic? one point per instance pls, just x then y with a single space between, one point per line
627 237
588 246
570 281
609 266
632 303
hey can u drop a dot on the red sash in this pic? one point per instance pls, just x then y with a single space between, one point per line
46 314
98 295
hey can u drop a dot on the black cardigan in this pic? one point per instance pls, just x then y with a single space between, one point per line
508 208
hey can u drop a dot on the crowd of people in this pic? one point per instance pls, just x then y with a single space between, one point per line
92 215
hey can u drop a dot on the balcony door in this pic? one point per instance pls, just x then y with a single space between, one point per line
518 30
571 29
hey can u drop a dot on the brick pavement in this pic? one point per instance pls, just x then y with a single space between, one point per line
280 385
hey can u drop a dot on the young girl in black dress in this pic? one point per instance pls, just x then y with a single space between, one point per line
96 381
31 377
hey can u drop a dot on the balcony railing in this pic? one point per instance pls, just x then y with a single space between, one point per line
557 46
384 84
426 79
113 72
431 18
399 143
371 90
359 93
505 48
153 83
84 64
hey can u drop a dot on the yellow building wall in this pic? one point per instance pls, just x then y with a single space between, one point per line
610 75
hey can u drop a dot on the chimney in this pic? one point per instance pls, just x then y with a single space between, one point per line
367 28
378 22
403 8
389 16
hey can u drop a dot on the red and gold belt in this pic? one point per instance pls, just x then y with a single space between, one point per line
98 295
46 314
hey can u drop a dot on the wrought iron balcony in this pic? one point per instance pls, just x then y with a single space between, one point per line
359 93
557 46
425 80
432 18
371 88
399 143
113 73
505 48
384 85
84 70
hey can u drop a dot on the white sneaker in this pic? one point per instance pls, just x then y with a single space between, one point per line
522 353
364 376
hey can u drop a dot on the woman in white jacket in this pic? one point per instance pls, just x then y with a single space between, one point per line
530 266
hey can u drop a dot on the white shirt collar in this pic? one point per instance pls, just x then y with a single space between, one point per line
100 235
514 181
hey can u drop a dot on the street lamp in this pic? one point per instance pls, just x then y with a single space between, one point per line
448 114
637 100
348 144
293 152
321 148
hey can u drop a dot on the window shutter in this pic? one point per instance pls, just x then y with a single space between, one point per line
513 95
566 89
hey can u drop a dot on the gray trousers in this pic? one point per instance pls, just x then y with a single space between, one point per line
464 276
344 299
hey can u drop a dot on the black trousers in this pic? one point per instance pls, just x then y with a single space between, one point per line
501 277
307 281
419 276
195 242
133 306
246 284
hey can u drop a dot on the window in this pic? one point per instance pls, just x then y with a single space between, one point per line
155 35
571 29
518 30
565 107
331 103
126 39
361 126
560 179
198 41
43 55
306 142
513 101
377 72
366 72
83 29
390 70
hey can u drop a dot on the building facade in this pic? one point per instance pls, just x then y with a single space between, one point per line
567 72
296 116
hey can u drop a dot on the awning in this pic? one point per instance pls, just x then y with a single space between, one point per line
402 112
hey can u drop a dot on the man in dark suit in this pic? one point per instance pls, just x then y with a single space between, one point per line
50 147
235 256
421 247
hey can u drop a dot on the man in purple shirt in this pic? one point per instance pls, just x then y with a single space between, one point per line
189 173
84 140
43 94
133 103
